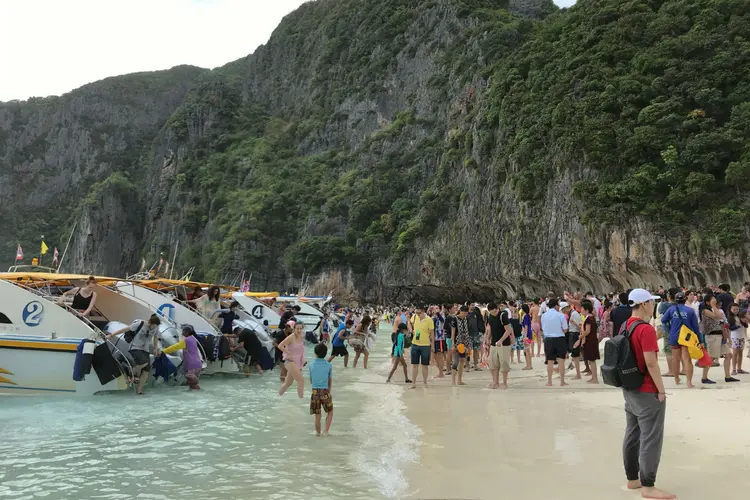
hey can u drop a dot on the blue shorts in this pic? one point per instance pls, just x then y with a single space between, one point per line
449 343
420 354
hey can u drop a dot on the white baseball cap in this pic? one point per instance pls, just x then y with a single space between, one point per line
640 295
563 305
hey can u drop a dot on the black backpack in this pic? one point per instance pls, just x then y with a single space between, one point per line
130 334
407 339
620 367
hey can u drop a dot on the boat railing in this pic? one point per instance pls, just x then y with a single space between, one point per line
142 302
96 332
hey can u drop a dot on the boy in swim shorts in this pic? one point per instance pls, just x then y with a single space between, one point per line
321 378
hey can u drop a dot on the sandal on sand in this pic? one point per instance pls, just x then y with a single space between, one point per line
407 381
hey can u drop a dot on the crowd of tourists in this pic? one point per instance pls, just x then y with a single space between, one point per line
456 338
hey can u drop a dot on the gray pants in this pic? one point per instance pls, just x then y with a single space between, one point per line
644 435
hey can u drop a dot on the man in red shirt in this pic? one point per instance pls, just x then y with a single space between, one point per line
645 408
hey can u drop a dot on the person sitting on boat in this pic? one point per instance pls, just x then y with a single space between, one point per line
228 316
191 358
145 341
84 297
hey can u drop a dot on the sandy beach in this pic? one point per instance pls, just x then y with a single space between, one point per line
536 442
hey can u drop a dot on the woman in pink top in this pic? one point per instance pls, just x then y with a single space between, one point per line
293 348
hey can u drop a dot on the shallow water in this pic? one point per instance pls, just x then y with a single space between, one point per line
236 438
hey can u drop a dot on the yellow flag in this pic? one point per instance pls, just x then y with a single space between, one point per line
44 247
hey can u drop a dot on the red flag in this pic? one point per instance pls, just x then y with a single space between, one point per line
54 258
19 253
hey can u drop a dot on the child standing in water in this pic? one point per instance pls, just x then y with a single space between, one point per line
321 378
399 341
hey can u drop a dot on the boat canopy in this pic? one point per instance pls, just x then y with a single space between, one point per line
51 278
165 284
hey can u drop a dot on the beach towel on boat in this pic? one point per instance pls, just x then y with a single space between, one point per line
266 361
104 364
84 355
163 367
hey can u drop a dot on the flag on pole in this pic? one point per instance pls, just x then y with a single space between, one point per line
44 247
143 264
166 268
19 253
55 256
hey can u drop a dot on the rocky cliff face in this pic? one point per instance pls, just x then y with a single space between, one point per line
446 150
54 150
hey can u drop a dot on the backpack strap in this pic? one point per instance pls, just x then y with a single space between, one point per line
632 327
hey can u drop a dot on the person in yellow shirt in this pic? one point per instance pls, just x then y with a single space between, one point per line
421 345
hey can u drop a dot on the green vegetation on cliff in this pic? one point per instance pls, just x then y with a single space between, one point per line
651 96
643 102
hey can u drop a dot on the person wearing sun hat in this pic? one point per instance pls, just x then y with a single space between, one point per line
645 407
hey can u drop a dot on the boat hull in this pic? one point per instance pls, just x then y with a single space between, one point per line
43 366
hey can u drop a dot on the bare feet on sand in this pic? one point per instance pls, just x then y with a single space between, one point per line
548 384
563 384
528 368
577 377
634 485
493 386
656 493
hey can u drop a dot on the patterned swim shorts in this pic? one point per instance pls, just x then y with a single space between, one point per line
476 342
321 398
738 343
518 345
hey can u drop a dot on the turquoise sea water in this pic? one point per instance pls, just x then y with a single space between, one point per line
236 438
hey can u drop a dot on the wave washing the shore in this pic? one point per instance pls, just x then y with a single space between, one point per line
389 439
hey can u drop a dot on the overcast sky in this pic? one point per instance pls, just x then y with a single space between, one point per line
50 47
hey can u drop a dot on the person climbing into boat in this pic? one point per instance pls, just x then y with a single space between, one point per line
293 348
209 302
286 316
84 297
248 340
358 340
144 341
227 316
399 344
193 296
191 357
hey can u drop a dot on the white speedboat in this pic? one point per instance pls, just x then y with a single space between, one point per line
47 324
38 344
160 296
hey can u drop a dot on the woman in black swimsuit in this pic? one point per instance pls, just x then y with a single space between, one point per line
84 298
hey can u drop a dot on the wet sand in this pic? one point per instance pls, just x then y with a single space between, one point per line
535 442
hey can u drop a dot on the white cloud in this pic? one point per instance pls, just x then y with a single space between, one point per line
50 47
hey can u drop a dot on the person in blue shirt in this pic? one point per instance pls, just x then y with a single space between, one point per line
321 379
339 348
672 320
397 351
